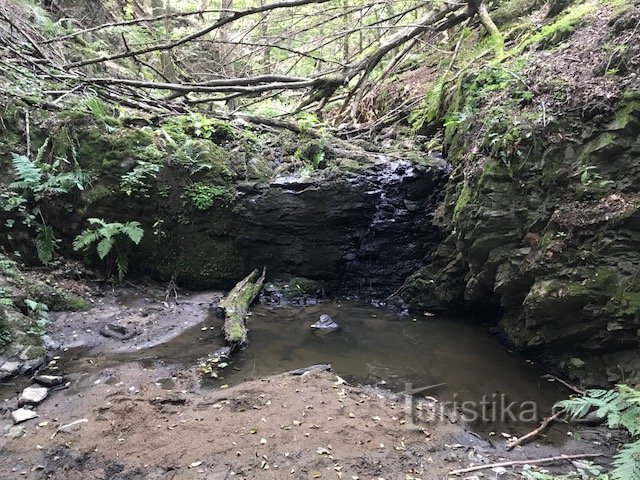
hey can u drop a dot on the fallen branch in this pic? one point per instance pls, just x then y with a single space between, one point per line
525 462
234 308
514 442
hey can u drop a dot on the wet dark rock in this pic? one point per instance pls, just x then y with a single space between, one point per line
119 332
555 256
31 365
49 380
363 231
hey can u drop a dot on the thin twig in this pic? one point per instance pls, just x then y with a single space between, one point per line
525 462
553 378
514 442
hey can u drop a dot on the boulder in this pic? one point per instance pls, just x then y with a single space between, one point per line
10 368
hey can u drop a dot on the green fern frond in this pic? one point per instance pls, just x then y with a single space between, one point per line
134 231
46 244
104 247
85 239
627 462
110 238
29 175
122 263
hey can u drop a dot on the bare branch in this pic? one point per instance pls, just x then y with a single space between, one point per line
126 23
187 38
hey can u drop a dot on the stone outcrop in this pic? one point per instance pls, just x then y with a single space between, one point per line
362 231
541 222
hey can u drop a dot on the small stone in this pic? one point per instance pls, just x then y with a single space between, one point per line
15 432
577 362
32 396
10 368
22 415
49 380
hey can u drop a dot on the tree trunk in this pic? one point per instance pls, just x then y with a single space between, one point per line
226 52
167 68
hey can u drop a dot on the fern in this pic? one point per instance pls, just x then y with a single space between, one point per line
627 462
46 244
137 180
113 240
29 175
621 408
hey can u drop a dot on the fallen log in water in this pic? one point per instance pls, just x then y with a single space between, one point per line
234 308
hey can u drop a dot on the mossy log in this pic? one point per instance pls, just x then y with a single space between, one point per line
234 308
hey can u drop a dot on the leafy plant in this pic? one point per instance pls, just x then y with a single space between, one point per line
41 313
137 180
203 196
211 129
5 297
113 241
35 182
40 181
46 243
621 409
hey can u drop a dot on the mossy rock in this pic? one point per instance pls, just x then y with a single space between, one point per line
112 153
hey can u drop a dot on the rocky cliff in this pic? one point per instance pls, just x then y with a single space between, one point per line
541 218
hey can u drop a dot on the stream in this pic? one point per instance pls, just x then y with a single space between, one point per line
374 346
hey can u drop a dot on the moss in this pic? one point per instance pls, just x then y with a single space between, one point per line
313 154
628 113
55 298
97 194
559 30
235 331
109 152
204 159
422 118
463 199
196 126
603 144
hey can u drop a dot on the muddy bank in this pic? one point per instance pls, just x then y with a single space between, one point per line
136 407
277 427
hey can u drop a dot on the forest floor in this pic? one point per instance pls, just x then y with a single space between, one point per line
138 417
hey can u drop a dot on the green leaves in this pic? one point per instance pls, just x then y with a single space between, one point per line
29 175
46 243
104 247
627 462
621 408
112 242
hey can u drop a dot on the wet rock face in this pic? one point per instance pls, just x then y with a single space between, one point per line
355 232
358 233
558 253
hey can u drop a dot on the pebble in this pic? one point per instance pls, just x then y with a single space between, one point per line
15 432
